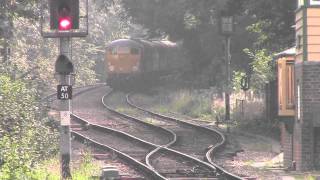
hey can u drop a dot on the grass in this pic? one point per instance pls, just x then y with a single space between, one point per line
127 110
50 170
153 121
191 103
305 177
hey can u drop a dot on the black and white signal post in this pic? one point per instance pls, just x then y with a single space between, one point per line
64 70
63 22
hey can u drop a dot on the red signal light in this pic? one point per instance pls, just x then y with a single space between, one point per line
65 23
63 13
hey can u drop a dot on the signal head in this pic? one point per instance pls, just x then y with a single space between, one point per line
64 14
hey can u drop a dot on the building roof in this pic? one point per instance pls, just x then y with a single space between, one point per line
288 52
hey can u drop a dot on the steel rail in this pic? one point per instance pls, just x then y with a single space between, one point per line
139 165
127 158
160 147
128 136
120 133
210 152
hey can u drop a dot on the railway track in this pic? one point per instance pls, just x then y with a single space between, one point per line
193 140
203 132
119 143
185 166
151 156
164 158
134 169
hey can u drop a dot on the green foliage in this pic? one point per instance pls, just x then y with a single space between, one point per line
271 26
86 169
193 22
195 105
273 21
24 137
26 74
258 28
50 169
236 81
262 68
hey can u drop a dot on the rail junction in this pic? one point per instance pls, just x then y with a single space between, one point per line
167 148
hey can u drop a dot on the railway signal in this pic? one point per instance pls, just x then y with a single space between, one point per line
63 65
64 14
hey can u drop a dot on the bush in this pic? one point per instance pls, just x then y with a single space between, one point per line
50 170
24 137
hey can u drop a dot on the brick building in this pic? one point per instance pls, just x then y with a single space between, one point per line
301 125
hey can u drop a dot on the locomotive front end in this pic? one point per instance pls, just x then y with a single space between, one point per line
122 61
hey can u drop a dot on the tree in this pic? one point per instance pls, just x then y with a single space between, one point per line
273 21
195 23
272 29
185 20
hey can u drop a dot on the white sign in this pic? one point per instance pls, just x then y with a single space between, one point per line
65 118
314 2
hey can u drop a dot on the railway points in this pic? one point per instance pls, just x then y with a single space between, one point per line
101 122
207 90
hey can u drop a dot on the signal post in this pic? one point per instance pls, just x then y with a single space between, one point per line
64 68
226 28
63 23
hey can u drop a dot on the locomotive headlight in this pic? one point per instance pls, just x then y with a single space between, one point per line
111 68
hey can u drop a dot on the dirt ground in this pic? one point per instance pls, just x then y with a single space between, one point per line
257 157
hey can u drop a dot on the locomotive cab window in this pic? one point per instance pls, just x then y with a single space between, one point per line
112 51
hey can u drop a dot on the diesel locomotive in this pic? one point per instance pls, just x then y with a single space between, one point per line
136 62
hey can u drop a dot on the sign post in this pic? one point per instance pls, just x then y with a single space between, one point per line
64 68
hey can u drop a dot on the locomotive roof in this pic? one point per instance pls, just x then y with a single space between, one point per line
142 42
123 42
158 43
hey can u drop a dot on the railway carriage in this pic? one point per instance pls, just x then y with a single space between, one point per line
134 61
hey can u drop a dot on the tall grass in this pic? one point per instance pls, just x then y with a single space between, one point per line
50 170
191 103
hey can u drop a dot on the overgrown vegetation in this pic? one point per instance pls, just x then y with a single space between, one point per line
25 137
262 71
50 169
192 104
186 102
